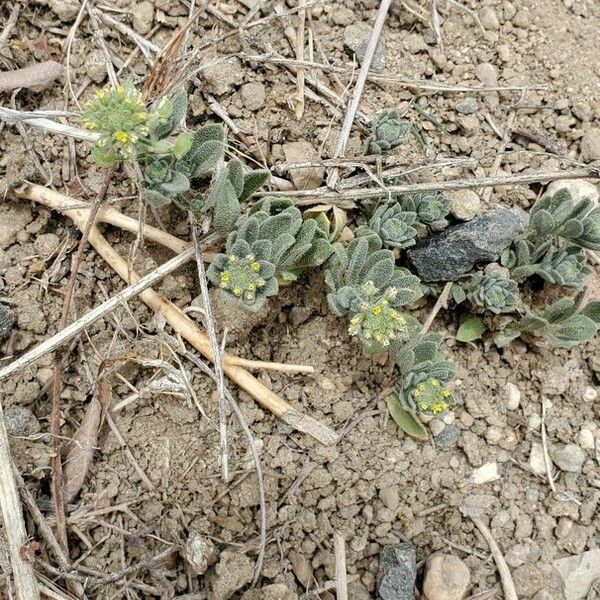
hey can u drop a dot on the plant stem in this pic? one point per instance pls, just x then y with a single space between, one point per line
57 384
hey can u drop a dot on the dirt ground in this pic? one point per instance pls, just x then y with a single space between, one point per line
376 486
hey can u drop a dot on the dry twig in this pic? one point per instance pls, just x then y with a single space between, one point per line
36 76
358 88
341 576
181 322
26 586
507 583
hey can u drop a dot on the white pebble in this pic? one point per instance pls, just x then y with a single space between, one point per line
586 439
537 464
590 394
513 398
485 474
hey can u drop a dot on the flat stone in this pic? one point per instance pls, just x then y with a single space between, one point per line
397 572
448 437
569 458
233 571
513 396
485 474
468 106
7 321
487 74
308 178
143 16
475 505
590 144
453 252
578 573
489 19
221 77
446 578
356 39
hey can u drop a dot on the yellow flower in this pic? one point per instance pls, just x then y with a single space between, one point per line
376 310
225 276
255 266
122 136
237 291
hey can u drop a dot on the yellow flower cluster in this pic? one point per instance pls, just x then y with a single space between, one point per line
431 397
242 277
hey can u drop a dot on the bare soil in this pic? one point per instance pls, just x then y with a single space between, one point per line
376 486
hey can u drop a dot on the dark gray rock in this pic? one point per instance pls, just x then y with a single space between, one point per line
356 38
453 252
448 437
397 572
7 320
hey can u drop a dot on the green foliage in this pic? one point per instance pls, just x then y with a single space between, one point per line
406 419
118 114
471 329
394 225
492 292
563 323
423 373
271 246
231 187
565 266
389 131
431 208
560 215
332 224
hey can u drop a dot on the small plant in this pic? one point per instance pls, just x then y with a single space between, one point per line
394 225
366 285
271 247
423 373
563 323
389 131
490 292
120 117
431 208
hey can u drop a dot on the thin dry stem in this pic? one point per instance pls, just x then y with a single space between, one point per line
26 587
359 87
209 323
508 585
181 323
36 76
341 576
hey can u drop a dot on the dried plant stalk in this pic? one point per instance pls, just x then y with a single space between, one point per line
34 77
178 320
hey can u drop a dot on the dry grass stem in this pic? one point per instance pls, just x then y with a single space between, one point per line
35 77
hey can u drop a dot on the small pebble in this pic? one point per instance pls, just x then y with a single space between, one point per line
504 52
578 188
590 394
569 458
200 553
7 321
513 396
590 144
485 474
467 106
446 578
537 464
487 74
448 437
521 19
465 205
20 421
46 243
253 95
143 15
489 19
586 439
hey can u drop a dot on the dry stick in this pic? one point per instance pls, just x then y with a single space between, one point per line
209 323
57 383
37 75
358 88
300 42
112 216
507 583
547 461
182 324
341 578
500 156
24 576
99 37
10 24
308 197
442 302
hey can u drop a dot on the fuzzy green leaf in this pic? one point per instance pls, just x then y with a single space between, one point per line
592 310
471 329
183 144
202 158
405 419
155 198
575 329
253 181
236 175
104 157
